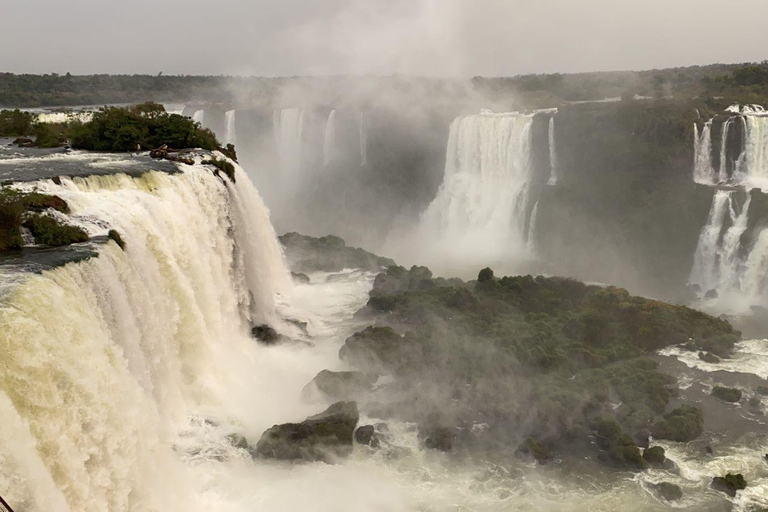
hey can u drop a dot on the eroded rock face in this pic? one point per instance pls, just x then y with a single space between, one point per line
340 385
324 437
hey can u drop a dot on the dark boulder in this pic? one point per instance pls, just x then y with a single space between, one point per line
711 294
340 385
437 437
729 484
380 349
298 277
708 357
367 435
324 437
266 334
24 142
654 456
668 491
731 395
238 441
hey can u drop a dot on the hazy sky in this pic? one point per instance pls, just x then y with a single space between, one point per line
417 37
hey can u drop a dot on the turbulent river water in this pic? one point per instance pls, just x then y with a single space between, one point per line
122 376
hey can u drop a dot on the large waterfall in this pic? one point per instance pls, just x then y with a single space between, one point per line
553 176
363 140
329 139
703 172
103 363
289 130
482 209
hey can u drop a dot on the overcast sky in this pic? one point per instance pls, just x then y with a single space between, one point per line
415 37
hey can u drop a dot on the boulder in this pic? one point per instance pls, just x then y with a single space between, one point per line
711 294
266 334
340 385
731 395
298 277
729 484
367 435
654 455
24 142
380 349
324 437
668 491
708 357
238 441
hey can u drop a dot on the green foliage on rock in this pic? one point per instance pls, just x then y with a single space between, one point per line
654 455
328 254
115 237
729 483
732 395
222 165
15 123
51 135
14 205
49 231
147 125
683 424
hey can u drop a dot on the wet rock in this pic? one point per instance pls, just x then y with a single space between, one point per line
340 385
643 438
380 349
436 434
729 484
367 435
536 450
712 294
266 334
708 357
238 441
708 450
324 437
668 491
731 395
24 142
654 456
298 277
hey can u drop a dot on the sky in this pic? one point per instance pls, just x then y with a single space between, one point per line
412 37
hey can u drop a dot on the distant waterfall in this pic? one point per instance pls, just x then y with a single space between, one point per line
722 175
102 361
756 152
199 116
230 136
329 139
553 177
363 140
721 262
289 130
481 209
703 171
532 230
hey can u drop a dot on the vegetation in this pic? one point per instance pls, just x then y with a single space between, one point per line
539 358
732 395
49 231
146 125
222 165
15 206
52 135
15 123
115 237
729 483
328 254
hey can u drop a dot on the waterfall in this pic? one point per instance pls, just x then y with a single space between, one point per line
755 165
230 136
722 263
532 230
723 174
329 140
703 171
289 130
363 141
199 116
553 177
102 361
481 208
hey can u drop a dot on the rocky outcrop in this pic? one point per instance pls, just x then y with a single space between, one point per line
668 491
324 437
731 395
366 435
683 424
328 254
380 349
655 455
729 484
340 385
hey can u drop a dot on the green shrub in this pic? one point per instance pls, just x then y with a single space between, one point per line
115 236
48 231
683 424
13 206
654 455
732 395
15 123
50 135
222 165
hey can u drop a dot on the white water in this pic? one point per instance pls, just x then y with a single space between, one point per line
199 116
481 210
756 152
553 177
739 274
329 140
703 171
230 136
532 229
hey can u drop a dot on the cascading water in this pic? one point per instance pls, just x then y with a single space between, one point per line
481 210
703 171
230 136
329 139
722 174
532 229
756 152
199 116
553 177
102 361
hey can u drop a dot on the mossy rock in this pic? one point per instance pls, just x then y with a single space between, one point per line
729 484
731 395
49 231
115 237
683 424
223 165
654 455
